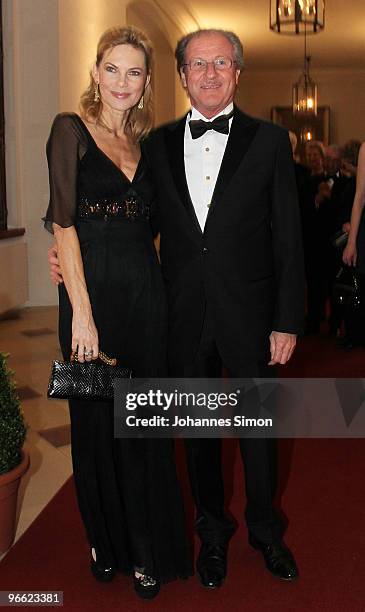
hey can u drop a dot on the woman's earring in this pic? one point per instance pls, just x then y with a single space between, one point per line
96 93
140 104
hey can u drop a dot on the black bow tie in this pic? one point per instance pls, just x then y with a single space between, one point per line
198 127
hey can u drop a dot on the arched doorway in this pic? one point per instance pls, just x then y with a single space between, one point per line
145 16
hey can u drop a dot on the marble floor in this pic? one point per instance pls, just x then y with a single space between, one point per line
30 337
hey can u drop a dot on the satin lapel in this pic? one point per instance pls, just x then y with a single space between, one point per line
242 132
175 149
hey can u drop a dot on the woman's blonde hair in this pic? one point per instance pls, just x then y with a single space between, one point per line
139 121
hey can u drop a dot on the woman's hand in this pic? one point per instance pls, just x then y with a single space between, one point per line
84 337
349 255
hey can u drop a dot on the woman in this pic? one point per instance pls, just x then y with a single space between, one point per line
113 300
354 253
314 151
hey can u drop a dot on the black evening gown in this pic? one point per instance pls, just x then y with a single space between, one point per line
127 489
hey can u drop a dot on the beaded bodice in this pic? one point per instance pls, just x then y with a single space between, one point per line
86 184
130 207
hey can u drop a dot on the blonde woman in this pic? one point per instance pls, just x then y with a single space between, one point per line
113 299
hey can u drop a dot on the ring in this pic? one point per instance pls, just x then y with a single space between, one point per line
89 353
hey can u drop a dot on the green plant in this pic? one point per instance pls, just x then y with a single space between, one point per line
12 426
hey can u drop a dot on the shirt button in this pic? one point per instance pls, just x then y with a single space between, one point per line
207 149
205 250
207 178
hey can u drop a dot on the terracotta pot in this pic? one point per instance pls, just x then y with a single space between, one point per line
9 485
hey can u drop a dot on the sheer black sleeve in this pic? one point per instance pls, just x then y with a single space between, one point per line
65 145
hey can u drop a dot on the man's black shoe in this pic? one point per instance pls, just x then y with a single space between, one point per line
278 558
212 564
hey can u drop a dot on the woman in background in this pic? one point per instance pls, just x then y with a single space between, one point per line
354 253
113 299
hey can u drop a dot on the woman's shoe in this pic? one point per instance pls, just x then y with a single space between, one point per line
101 572
146 587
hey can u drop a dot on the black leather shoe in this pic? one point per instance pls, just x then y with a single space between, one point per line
101 572
212 564
146 587
278 558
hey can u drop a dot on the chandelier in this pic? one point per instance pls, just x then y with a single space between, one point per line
296 16
305 92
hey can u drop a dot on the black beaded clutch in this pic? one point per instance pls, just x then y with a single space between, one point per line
91 380
346 288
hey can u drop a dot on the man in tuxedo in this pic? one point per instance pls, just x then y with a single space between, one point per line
232 262
231 257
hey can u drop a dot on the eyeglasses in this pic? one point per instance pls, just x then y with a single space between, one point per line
200 65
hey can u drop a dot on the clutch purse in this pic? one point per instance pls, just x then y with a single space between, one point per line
346 288
91 380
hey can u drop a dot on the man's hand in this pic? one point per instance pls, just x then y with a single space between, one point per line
282 346
54 266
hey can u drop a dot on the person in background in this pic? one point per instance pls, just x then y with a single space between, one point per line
302 174
342 323
349 164
314 152
315 220
113 299
354 253
350 157
332 160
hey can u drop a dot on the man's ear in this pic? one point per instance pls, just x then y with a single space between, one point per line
183 78
238 72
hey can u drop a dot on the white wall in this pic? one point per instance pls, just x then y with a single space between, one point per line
81 23
49 46
13 274
31 100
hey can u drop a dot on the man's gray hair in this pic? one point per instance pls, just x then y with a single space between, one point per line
231 37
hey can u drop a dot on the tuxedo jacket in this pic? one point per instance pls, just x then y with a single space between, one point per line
246 268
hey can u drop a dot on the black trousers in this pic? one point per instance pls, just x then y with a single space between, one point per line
204 459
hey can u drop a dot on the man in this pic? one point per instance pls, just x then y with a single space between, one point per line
332 161
231 256
232 261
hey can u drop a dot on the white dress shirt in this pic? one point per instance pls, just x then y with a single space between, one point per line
203 157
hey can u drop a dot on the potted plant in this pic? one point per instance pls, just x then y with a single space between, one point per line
14 461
